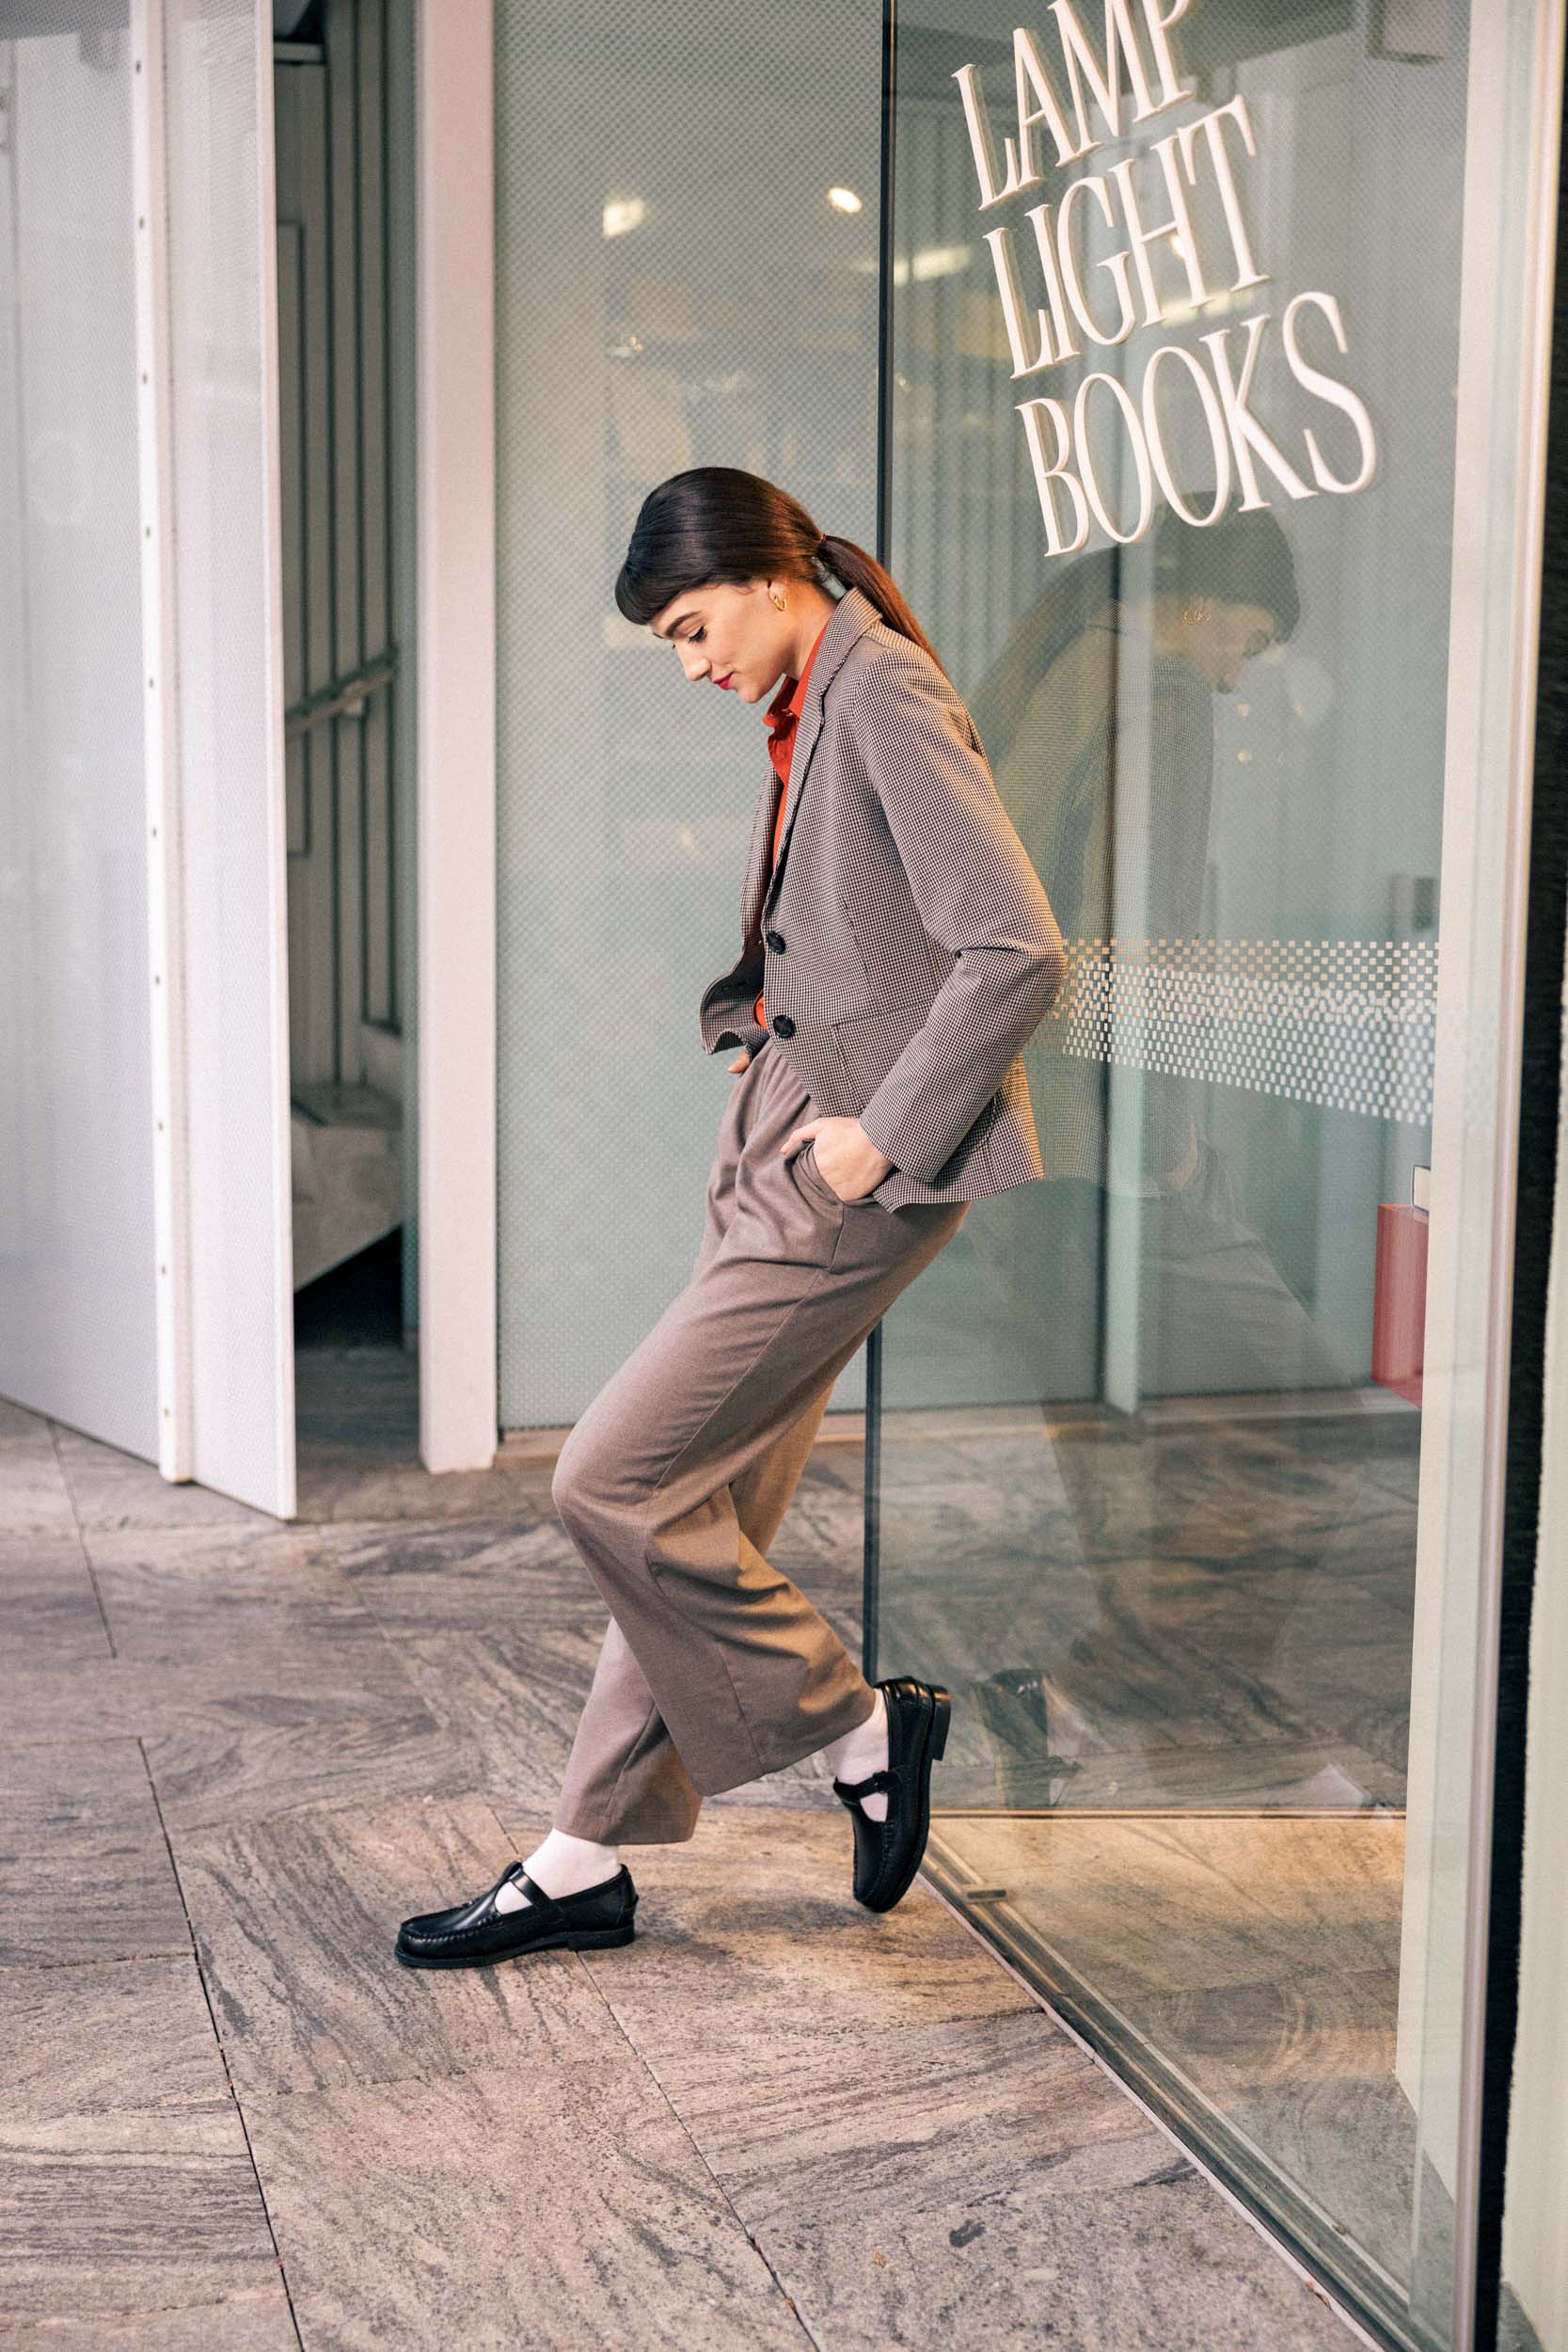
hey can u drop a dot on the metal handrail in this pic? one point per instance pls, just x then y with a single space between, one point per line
345 698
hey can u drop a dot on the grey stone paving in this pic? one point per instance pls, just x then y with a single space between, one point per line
237 1754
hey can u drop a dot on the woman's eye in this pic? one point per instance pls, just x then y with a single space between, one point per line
696 637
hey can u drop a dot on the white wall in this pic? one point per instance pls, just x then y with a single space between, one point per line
733 321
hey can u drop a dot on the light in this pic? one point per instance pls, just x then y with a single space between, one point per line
845 201
932 260
940 261
623 213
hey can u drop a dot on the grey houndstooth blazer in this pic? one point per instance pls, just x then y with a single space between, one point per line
905 943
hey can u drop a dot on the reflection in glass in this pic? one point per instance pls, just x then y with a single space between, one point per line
1149 1474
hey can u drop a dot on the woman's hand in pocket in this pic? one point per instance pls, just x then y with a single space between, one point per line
846 1160
742 1059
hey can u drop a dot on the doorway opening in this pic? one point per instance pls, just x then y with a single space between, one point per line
343 110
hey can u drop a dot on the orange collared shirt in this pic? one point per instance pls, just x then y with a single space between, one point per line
782 714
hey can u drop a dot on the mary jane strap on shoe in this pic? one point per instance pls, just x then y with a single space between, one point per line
888 1853
851 1791
474 1934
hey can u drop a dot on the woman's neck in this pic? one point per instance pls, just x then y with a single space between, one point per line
815 608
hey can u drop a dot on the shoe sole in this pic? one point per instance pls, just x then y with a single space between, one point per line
569 1939
936 1744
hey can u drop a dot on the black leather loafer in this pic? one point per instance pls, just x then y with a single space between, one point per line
888 1853
473 1934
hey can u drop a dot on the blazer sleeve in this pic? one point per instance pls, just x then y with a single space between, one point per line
978 896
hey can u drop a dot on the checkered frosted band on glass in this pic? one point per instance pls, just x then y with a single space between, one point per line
1349 1023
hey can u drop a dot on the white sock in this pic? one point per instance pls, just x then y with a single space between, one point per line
564 1865
863 1751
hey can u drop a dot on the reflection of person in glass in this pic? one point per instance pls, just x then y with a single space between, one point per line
1098 722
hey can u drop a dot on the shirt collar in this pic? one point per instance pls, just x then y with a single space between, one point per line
790 700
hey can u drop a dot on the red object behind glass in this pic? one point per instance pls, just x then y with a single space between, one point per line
1400 1298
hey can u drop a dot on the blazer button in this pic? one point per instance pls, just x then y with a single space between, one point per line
775 940
783 1025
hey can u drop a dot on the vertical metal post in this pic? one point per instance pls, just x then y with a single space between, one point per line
872 1560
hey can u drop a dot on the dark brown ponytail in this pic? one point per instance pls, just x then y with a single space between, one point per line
718 523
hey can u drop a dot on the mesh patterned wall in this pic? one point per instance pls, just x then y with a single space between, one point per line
675 288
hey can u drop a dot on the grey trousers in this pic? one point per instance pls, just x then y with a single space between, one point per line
715 1668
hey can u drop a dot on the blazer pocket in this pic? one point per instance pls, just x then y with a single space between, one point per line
870 1044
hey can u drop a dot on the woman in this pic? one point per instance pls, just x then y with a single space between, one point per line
898 949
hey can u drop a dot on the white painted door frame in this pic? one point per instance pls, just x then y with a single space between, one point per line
212 736
456 826
1512 120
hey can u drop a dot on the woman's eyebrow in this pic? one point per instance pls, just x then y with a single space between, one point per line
669 633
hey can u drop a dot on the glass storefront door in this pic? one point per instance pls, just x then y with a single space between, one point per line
1209 471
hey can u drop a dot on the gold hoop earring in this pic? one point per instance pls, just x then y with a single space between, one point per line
778 602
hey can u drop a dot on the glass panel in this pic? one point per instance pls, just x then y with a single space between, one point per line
677 284
1179 513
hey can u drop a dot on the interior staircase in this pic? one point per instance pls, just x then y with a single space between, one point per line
348 1159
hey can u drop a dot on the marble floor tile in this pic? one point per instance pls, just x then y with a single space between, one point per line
1382 1449
147 2211
480 1575
261 2322
983 1772
1352 2145
513 1696
336 1487
1307 2028
507 2207
106 2036
295 1919
758 1909
85 1872
1229 1492
360 1400
1119 1679
352 1661
246 1759
1150 1904
48 1606
770 2093
956 2112
174 1592
1222 1490
1149 1656
110 1488
1156 2263
1381 1726
33 1490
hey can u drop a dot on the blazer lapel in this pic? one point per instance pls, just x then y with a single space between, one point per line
852 616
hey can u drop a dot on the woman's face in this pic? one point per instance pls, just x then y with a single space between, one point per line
1223 637
731 634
